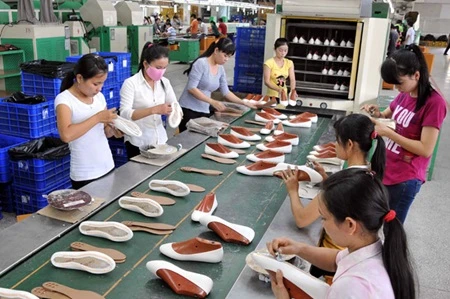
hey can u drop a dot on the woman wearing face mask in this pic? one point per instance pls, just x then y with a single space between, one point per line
146 96
207 74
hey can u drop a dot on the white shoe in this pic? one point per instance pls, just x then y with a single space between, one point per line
267 156
326 42
339 58
331 72
287 137
244 134
323 147
260 168
336 86
316 56
311 41
334 161
318 42
229 232
267 128
346 59
349 44
110 230
181 281
279 130
175 188
346 73
298 123
196 250
219 150
90 261
331 57
295 40
325 71
265 117
206 207
276 146
333 43
15 294
292 103
176 115
275 113
300 281
232 141
340 72
146 206
343 87
126 126
343 43
324 56
301 40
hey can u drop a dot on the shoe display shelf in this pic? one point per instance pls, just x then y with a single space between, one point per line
9 69
118 150
248 70
319 45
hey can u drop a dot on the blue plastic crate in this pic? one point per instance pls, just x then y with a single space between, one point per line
6 197
38 174
119 161
7 142
33 84
27 201
29 121
118 150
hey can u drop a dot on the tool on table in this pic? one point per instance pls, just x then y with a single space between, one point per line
202 171
116 255
218 159
164 201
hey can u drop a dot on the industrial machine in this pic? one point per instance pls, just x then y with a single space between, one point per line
337 49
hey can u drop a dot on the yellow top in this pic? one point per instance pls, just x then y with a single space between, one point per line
278 76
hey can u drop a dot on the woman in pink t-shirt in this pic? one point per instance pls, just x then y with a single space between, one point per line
419 111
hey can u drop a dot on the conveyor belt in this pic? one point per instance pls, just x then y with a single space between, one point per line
251 201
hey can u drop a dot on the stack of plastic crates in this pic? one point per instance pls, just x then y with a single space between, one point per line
6 198
248 69
118 150
119 69
34 178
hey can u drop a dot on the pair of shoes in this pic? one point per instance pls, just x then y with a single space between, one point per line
327 71
244 134
267 156
16 294
276 146
232 141
90 261
175 188
110 230
219 150
286 137
341 87
146 206
182 282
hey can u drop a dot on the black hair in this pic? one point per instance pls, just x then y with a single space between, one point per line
359 128
199 19
357 194
280 42
194 16
88 66
212 22
152 52
220 19
224 45
406 62
168 23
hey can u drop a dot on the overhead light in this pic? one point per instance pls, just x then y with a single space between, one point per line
217 8
208 8
238 9
262 10
189 7
175 8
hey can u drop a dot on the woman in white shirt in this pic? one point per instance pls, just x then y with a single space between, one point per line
145 97
84 122
354 206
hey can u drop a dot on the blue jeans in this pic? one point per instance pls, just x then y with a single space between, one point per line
402 195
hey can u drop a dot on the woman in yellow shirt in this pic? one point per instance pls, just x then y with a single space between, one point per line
278 69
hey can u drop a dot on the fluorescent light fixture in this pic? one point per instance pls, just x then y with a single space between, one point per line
217 8
189 7
175 8
262 10
208 8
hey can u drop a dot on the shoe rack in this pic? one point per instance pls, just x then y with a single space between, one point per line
323 53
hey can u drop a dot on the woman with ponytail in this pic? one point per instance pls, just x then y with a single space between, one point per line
84 122
207 74
361 147
354 206
419 111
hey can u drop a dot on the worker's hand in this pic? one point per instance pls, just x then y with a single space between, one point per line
219 106
163 109
319 168
290 178
250 105
110 130
107 116
373 110
278 288
283 246
382 129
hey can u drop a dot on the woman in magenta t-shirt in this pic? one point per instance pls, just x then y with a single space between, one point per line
419 111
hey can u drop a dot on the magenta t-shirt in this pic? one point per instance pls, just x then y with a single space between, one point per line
402 165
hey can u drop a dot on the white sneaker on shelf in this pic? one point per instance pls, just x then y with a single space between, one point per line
346 59
343 43
295 40
349 44
331 72
346 73
326 42
343 87
333 43
309 56
318 41
340 72
316 56
324 56
301 40
311 41
336 86
325 71
331 57
339 58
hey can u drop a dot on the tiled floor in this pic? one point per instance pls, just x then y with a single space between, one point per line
428 223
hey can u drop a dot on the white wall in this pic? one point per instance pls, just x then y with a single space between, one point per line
434 16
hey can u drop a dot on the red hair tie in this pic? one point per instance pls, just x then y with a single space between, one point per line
390 216
149 46
374 135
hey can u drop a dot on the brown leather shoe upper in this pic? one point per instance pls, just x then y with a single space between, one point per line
268 154
231 138
242 131
220 148
260 165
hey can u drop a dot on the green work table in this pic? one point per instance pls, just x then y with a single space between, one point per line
247 200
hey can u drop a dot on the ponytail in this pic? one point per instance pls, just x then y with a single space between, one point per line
378 160
225 45
67 81
151 52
